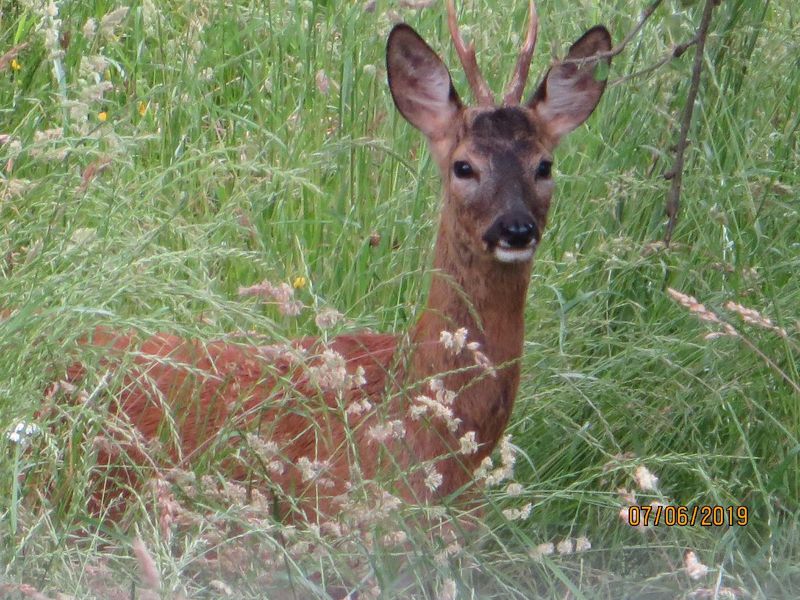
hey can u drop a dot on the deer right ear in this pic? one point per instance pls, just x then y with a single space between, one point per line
420 83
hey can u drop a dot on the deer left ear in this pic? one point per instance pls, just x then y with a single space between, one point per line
571 90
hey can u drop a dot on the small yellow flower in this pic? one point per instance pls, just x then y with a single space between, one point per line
102 116
16 65
142 109
299 282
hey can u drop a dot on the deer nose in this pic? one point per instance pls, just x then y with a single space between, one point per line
515 229
518 233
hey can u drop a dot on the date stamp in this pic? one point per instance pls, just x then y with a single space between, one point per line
671 515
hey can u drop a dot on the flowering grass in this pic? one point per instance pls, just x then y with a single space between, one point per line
159 162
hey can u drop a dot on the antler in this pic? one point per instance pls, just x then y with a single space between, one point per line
517 84
467 56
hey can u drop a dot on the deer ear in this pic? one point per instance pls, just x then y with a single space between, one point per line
571 90
420 83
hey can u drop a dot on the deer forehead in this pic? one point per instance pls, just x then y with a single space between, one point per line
504 130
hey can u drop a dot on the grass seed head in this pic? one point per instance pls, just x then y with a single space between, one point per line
694 568
645 479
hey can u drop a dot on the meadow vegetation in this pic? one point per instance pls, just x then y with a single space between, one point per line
156 157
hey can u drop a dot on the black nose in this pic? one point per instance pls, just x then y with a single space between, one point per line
515 229
518 233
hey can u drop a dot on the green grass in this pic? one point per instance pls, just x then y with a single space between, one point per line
227 165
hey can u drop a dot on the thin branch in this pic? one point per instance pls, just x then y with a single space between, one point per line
646 14
676 173
676 52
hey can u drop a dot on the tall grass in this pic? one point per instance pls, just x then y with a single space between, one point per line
240 141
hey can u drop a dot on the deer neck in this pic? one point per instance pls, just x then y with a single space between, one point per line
488 299
478 293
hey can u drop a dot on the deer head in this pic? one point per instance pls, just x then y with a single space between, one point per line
495 160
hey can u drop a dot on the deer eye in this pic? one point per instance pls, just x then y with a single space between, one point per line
462 169
544 169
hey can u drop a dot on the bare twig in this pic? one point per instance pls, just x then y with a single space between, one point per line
676 52
646 14
675 174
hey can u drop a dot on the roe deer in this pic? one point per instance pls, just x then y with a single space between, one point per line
495 163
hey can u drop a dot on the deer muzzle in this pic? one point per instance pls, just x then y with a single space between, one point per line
513 236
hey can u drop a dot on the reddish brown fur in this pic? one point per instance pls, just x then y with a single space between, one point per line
219 388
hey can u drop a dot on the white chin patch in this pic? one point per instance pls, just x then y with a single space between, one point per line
514 255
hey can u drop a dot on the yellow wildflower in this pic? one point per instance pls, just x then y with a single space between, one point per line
102 116
15 65
299 282
142 109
